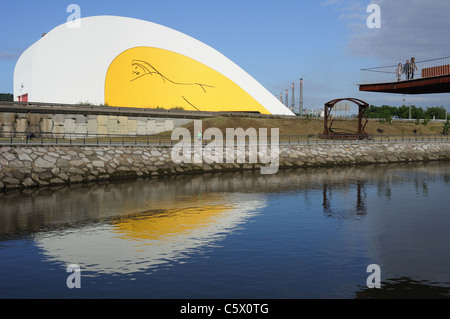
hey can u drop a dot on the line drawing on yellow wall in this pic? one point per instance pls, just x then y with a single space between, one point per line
152 77
143 68
148 69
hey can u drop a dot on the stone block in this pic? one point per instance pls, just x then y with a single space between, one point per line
122 129
46 125
9 157
11 181
28 182
34 119
21 125
58 131
76 163
50 159
24 157
113 125
141 128
76 178
159 127
7 128
102 120
168 125
7 119
56 181
91 126
69 125
132 125
151 126
39 162
80 119
123 120
98 163
58 119
81 130
102 129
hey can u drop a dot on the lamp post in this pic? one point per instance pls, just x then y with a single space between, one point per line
300 104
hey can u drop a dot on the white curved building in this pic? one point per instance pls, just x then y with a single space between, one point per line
126 62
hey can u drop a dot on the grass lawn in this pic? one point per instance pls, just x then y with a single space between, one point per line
298 126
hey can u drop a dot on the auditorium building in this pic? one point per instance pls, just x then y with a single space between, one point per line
126 62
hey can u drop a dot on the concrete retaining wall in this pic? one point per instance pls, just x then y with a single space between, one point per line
65 124
29 166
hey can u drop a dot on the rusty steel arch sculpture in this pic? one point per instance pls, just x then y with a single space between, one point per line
328 132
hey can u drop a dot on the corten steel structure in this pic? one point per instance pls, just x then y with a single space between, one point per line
329 133
430 77
436 84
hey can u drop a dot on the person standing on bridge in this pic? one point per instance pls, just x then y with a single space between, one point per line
413 67
407 70
399 72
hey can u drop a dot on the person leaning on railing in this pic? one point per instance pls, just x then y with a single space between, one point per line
407 69
399 72
412 67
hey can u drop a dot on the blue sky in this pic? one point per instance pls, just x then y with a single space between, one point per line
325 42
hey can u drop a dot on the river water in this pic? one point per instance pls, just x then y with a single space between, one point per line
303 233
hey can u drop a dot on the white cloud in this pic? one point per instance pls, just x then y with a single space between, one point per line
408 28
10 54
329 2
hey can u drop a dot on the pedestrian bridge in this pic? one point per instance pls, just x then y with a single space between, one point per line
432 76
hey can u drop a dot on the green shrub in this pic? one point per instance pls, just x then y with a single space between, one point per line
446 128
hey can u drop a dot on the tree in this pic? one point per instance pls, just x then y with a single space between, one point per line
403 112
417 112
436 112
6 97
446 128
386 111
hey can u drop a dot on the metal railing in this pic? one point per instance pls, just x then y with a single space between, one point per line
79 139
425 69
116 110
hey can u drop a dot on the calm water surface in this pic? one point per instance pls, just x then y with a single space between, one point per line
297 234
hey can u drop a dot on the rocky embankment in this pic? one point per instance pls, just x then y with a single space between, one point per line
30 166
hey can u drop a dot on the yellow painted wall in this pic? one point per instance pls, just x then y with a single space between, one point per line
170 224
147 77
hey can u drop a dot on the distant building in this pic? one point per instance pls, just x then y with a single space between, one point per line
118 61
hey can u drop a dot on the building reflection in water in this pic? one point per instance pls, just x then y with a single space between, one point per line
130 226
360 200
149 239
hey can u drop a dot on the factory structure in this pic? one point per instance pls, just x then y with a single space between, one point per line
292 107
125 62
